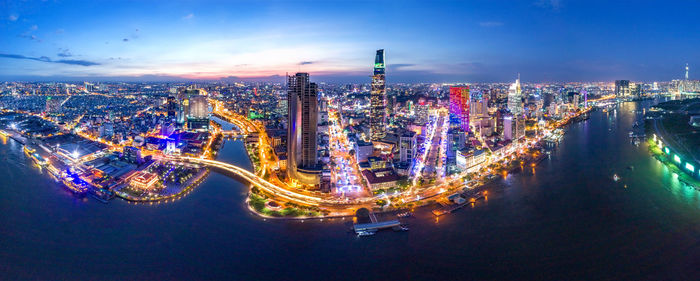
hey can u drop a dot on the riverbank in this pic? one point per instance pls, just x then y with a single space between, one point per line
570 220
665 159
532 156
191 184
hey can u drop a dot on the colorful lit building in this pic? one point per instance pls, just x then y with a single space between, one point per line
459 106
144 180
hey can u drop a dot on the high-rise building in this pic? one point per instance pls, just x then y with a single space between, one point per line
407 147
199 107
459 106
106 130
519 127
478 108
456 140
515 98
513 127
132 154
636 89
302 124
172 108
508 127
622 88
422 110
377 114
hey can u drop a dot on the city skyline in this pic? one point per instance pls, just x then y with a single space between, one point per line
249 41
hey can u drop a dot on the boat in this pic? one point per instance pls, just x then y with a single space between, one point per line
75 189
616 177
28 150
365 233
39 160
404 215
400 228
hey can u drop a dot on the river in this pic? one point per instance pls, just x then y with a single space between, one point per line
567 219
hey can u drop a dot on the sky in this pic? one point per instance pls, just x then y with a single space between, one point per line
335 41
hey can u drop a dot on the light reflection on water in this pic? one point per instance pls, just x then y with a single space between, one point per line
568 220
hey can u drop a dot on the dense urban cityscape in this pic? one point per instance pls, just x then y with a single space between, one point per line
414 141
314 151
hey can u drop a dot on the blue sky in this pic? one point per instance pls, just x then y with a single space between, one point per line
430 41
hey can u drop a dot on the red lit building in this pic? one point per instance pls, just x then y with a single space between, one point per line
459 106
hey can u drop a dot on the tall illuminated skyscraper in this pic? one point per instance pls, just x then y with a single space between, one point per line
199 107
377 114
622 88
515 98
459 106
302 121
198 115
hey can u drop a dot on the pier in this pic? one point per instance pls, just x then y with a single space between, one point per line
374 226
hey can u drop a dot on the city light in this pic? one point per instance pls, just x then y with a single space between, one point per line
690 167
300 140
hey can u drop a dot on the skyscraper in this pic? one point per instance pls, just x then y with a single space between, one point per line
377 114
199 107
172 107
459 106
198 115
515 98
622 88
422 109
407 147
302 121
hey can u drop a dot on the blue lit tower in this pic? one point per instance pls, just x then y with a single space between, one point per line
377 113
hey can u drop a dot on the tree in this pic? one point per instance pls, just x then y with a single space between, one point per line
403 182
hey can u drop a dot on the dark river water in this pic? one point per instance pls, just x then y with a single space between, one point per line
566 220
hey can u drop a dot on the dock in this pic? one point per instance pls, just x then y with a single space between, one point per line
374 226
446 208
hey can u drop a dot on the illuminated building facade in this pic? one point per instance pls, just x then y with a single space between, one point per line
377 114
515 98
198 115
199 107
302 126
172 108
459 106
622 88
144 181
